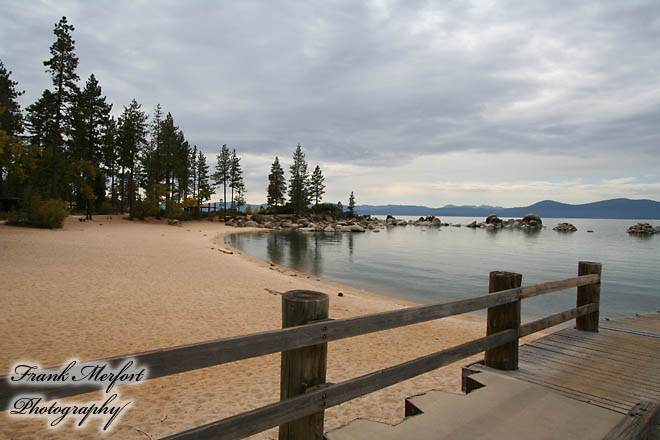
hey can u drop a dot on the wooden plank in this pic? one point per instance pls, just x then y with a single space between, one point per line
632 331
260 419
612 344
624 375
638 359
581 384
587 353
552 320
554 286
639 424
621 341
579 379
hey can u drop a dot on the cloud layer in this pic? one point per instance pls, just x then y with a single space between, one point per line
431 103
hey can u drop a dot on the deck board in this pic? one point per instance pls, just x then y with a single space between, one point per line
613 368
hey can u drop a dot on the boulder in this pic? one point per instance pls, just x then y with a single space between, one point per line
329 228
174 222
642 228
286 224
436 222
493 219
472 225
258 218
356 228
251 224
532 217
303 222
564 227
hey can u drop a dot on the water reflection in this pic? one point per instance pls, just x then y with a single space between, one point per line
453 263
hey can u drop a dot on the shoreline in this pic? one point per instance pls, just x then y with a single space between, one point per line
113 287
338 286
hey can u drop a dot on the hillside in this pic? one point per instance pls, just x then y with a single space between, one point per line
612 209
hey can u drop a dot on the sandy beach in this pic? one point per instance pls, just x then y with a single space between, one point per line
111 287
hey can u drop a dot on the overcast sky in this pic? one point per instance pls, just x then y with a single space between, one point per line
413 102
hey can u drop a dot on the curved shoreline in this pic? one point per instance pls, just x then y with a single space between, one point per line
338 286
112 287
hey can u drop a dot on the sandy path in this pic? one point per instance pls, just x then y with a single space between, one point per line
113 287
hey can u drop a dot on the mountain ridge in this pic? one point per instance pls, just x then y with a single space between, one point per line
620 208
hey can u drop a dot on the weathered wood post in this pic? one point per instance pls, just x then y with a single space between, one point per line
588 294
305 367
503 317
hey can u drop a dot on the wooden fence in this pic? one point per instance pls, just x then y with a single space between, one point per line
304 393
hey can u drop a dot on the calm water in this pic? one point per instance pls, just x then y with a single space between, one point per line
431 265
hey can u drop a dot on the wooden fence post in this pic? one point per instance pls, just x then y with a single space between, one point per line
588 294
305 367
503 317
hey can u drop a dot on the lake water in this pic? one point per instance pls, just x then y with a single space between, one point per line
433 265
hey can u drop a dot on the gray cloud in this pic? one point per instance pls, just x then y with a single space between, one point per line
376 83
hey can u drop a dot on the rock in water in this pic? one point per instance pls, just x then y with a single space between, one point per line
642 228
564 227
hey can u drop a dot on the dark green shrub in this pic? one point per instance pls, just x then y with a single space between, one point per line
173 209
49 214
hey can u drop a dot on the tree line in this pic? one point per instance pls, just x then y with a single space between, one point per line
68 147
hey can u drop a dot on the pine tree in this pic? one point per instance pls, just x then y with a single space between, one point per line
236 178
222 172
317 188
276 185
132 140
351 204
62 67
11 118
17 157
204 189
110 155
298 182
89 118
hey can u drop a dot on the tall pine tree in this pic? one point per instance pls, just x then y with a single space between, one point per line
132 139
236 179
204 189
89 115
222 172
62 67
276 185
316 187
298 181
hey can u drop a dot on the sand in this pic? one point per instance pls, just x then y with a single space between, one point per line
112 287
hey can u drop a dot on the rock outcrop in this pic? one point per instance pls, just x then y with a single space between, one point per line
564 227
643 228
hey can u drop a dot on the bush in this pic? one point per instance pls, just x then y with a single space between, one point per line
173 210
49 214
328 208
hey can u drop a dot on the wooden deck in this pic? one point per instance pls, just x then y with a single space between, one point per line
614 368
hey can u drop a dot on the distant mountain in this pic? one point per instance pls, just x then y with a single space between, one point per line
613 209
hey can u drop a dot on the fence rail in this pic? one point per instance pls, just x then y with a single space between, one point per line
500 343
